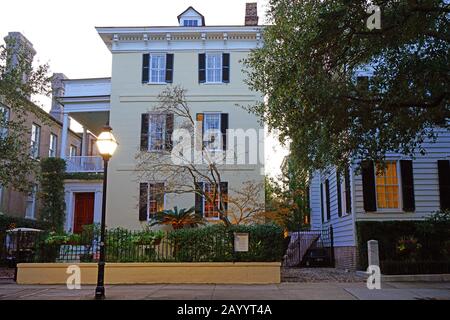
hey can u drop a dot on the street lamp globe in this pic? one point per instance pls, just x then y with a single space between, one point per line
106 143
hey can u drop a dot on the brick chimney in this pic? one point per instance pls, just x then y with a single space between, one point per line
20 50
251 14
57 92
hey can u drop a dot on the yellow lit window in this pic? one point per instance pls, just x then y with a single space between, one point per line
387 186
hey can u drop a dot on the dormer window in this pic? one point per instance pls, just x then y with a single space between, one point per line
190 23
191 18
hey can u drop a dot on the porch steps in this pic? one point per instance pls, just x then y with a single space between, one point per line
298 246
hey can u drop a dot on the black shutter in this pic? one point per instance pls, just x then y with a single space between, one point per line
143 201
338 194
223 128
169 68
144 131
226 67
199 198
406 169
224 192
348 195
169 131
145 67
321 202
201 68
444 183
368 180
327 198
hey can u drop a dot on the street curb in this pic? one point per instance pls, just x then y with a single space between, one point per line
410 277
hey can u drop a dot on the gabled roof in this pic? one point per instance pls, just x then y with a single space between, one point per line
192 8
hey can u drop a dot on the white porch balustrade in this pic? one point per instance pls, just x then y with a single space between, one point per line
84 164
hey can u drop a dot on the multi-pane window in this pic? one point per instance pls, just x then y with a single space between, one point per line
30 212
214 67
73 151
210 208
211 134
155 198
157 131
190 23
53 145
387 186
158 68
35 140
4 118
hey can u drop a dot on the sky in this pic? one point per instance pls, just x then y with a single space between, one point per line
64 36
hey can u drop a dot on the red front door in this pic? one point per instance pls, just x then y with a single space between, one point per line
84 210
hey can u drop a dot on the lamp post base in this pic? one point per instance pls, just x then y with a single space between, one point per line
100 293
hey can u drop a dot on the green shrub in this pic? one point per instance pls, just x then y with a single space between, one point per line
215 243
52 192
8 222
431 239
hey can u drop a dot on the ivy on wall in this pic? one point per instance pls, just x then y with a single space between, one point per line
52 193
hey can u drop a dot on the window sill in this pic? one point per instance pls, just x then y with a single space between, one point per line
156 83
213 83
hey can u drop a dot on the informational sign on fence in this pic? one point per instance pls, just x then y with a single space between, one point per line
240 242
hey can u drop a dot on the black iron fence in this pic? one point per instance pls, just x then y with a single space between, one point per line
139 246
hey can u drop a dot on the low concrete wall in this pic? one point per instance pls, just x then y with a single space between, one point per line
148 273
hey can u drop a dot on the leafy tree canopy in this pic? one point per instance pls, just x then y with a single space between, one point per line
19 81
308 70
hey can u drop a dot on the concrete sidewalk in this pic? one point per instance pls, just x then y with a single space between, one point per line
284 291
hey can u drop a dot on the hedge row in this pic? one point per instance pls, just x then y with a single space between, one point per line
215 243
434 241
7 222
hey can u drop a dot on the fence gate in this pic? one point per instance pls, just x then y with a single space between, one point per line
312 248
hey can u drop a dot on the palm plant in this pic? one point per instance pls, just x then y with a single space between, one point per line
178 219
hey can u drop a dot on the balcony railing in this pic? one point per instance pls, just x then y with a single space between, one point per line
84 164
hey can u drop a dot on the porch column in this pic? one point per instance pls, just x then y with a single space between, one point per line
84 143
65 131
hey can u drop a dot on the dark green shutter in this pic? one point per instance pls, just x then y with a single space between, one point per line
199 198
321 203
224 192
169 131
338 194
143 201
348 195
444 183
327 199
201 68
144 131
169 68
145 67
226 67
368 180
406 169
223 129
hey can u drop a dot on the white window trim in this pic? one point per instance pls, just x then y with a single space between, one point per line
149 140
183 22
400 198
148 198
344 196
220 54
325 211
52 152
4 130
72 147
33 204
35 140
220 149
154 54
204 203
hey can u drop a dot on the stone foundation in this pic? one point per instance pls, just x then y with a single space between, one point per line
345 257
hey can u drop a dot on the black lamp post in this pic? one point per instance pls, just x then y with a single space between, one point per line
106 144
